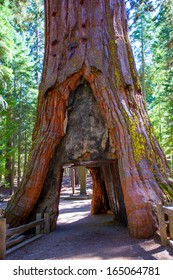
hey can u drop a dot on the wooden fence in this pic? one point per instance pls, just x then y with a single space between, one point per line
165 223
14 238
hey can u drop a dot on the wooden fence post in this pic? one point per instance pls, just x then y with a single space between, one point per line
46 223
2 238
162 225
38 228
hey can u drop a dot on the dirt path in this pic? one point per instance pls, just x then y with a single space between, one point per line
82 236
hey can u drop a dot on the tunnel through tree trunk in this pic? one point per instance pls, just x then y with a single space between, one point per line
91 109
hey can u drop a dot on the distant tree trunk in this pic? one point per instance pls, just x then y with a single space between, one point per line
9 156
19 141
25 150
143 60
73 180
13 165
91 112
82 180
77 175
8 163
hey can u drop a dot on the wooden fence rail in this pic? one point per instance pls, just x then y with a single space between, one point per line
23 228
163 225
11 237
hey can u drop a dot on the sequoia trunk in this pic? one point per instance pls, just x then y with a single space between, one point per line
91 112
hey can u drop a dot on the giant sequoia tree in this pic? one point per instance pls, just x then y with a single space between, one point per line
91 112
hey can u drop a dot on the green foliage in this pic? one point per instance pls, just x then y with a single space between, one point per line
19 66
35 35
152 41
162 105
6 47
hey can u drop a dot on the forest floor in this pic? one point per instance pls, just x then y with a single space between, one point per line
81 236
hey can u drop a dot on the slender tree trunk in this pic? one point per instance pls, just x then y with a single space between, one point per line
73 180
143 59
37 48
160 122
19 142
13 165
25 150
77 175
82 180
8 163
91 112
9 157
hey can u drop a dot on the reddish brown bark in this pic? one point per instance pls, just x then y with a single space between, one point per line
88 41
99 203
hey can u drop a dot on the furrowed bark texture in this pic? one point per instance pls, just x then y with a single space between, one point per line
100 202
88 57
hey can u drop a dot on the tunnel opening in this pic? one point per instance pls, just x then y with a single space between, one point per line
93 184
85 144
